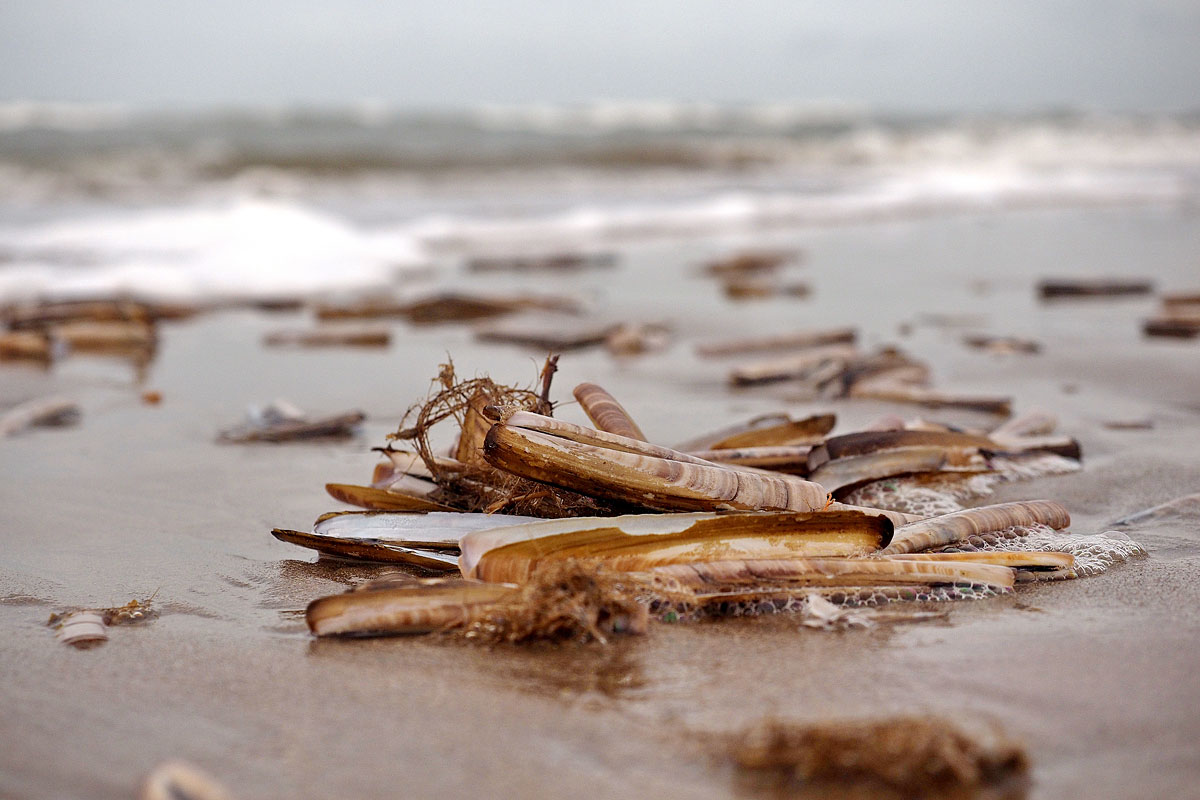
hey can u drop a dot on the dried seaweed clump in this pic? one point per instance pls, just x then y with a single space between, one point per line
905 756
467 482
566 600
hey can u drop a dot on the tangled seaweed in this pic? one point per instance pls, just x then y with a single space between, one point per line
913 756
472 484
565 601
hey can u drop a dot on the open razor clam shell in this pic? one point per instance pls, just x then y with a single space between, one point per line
638 542
767 572
851 471
949 528
529 420
435 530
605 412
869 442
365 549
1040 560
420 608
645 481
797 340
375 499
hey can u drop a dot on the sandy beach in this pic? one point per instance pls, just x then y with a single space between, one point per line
1095 676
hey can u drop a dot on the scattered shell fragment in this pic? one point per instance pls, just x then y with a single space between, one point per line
283 422
363 337
1052 289
47 411
798 340
82 629
544 331
1003 345
549 262
179 780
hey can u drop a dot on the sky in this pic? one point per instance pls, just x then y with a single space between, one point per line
891 55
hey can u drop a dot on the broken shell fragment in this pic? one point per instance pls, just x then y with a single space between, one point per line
178 780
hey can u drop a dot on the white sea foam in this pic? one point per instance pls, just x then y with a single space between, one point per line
246 248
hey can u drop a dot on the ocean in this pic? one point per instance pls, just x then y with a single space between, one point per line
276 201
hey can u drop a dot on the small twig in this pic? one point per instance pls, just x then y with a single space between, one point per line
548 370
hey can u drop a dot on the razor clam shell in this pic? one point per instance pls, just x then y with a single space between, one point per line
645 481
365 549
829 572
780 458
868 442
852 470
950 528
807 431
381 499
896 392
798 340
1031 423
635 543
474 428
82 627
590 436
402 610
605 412
791 367
1046 559
178 780
434 530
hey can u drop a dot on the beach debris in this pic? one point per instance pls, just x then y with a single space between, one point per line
447 306
799 366
1059 288
1003 345
112 336
1131 424
25 345
520 494
1185 507
82 629
548 262
281 421
38 315
151 397
41 412
795 340
179 780
758 288
1178 317
637 338
544 331
751 262
330 337
86 627
913 756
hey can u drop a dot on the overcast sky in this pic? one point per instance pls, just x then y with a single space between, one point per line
885 54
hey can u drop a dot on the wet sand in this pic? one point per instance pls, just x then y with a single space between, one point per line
1097 676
